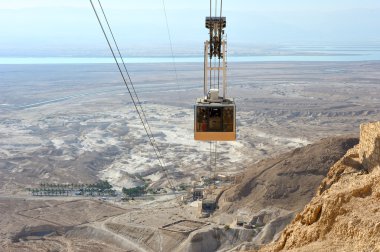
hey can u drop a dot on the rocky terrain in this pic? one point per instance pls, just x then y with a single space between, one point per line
288 181
344 215
262 198
274 190
75 124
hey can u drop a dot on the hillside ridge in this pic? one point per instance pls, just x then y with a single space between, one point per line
344 215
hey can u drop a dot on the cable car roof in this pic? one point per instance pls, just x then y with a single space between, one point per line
221 103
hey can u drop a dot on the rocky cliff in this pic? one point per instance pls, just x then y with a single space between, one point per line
344 215
274 190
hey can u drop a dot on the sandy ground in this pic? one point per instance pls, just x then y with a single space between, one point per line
38 223
76 124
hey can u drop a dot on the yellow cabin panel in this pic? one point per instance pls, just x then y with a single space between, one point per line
215 136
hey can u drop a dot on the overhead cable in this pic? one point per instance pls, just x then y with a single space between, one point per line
141 113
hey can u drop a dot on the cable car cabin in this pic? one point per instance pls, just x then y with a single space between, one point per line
215 121
214 115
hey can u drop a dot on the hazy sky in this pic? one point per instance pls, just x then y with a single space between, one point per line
71 24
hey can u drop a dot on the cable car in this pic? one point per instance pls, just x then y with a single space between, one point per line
214 119
215 115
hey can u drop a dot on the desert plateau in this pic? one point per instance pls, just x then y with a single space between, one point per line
75 125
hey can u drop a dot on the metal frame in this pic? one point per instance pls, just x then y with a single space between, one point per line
215 47
208 69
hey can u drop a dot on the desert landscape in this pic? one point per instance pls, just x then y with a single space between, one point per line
76 124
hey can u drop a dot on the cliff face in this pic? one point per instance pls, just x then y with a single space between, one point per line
345 213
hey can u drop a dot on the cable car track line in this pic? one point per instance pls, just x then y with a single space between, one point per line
220 40
210 45
140 113
171 44
130 80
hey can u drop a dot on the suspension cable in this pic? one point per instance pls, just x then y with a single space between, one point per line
215 77
210 7
210 45
210 159
216 152
125 68
173 57
171 44
145 124
213 158
213 149
220 42
130 81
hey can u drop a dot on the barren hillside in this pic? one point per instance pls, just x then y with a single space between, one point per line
288 181
264 191
344 215
272 191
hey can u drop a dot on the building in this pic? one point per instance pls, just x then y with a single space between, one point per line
197 192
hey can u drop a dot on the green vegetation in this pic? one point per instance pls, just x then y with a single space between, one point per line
100 188
134 191
183 187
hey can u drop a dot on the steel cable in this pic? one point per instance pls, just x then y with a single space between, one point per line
140 114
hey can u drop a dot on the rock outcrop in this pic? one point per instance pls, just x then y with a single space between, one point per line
344 215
